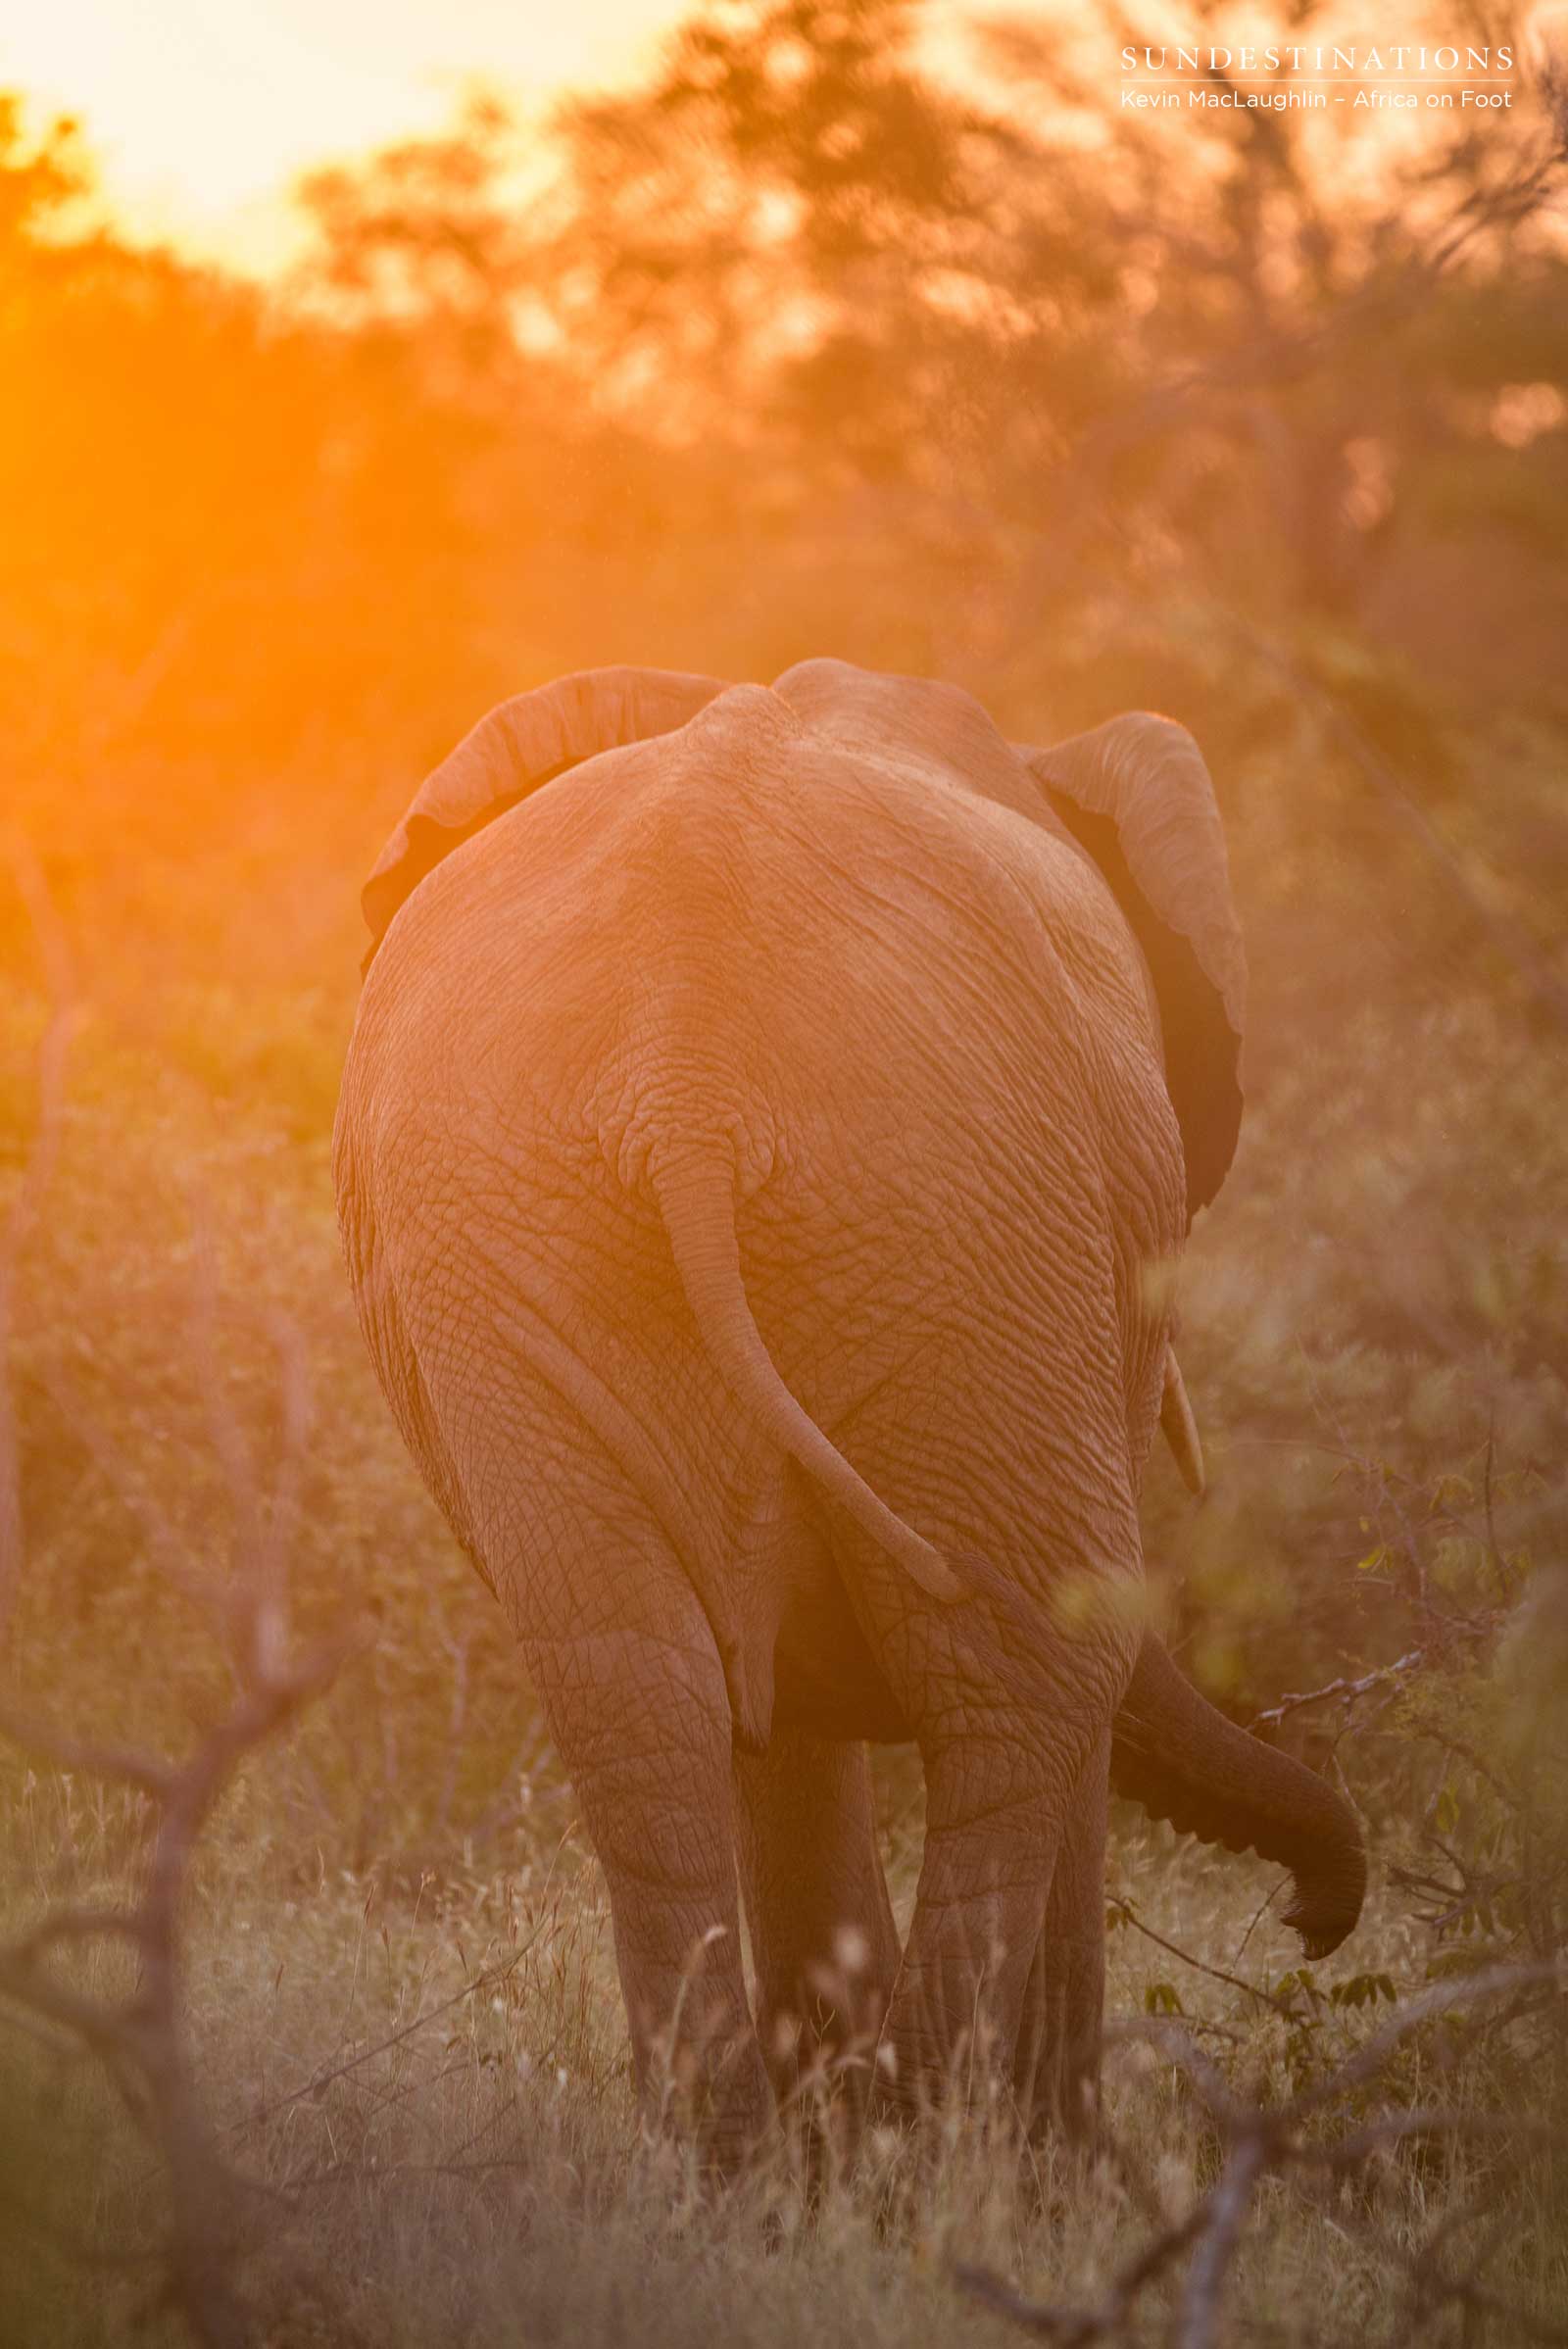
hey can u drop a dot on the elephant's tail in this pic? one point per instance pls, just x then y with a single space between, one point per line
1185 1762
696 1198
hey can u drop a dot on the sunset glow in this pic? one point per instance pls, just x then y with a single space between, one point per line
200 116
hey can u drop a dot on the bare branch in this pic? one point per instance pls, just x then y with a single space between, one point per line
1077 2327
141 2041
1226 2210
1345 1688
1235 1982
488 1979
1261 2140
1496 1981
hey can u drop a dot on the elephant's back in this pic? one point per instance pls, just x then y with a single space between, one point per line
831 941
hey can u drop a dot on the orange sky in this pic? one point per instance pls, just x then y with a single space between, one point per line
199 111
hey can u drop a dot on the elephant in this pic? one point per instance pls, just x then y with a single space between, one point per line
769 1123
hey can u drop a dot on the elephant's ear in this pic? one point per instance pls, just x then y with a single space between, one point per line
1136 793
522 743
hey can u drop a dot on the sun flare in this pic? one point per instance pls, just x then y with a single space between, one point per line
200 116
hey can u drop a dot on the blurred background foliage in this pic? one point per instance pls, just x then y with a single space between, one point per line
799 347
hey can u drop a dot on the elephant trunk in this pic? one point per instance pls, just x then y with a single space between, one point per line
1172 1752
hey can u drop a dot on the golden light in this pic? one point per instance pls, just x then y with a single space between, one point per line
199 116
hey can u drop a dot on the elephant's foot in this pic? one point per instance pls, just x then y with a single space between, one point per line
1056 2061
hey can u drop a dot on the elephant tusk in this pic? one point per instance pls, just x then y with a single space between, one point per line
1181 1428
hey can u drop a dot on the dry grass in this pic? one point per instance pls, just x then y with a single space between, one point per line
429 2092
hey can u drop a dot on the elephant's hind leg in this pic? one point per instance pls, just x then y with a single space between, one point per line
1056 2067
1009 1758
635 1696
823 1940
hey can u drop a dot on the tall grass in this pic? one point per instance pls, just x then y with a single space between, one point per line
429 2092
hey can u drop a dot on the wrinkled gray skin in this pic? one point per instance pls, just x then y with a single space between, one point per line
764 1110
